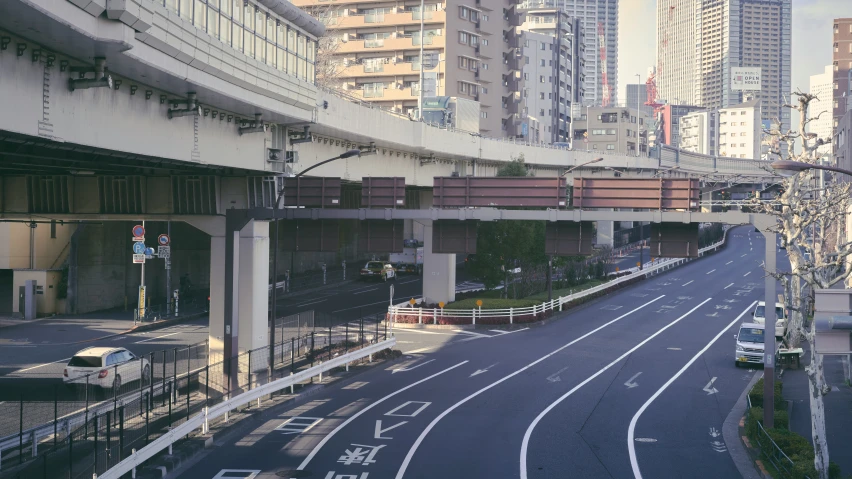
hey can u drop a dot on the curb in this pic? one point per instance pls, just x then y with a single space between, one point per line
734 440
190 451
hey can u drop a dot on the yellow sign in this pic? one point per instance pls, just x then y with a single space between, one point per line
441 305
411 301
479 302
638 264
141 302
616 268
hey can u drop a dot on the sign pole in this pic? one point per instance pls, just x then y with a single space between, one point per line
169 273
142 289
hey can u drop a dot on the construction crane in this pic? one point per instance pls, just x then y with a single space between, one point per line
606 95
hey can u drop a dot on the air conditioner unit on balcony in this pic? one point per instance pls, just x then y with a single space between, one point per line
397 85
347 62
346 37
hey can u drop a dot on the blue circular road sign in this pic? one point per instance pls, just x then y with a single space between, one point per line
138 231
138 247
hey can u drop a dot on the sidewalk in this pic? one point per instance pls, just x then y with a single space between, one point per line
838 407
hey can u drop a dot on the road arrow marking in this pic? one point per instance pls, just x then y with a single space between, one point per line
554 378
380 431
630 384
399 370
709 387
480 371
714 432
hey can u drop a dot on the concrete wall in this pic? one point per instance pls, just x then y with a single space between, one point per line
48 279
50 253
107 274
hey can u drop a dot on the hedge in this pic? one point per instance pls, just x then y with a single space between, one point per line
493 303
756 395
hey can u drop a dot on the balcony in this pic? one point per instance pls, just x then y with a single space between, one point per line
386 94
380 69
374 19
391 44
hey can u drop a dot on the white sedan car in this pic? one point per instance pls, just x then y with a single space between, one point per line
107 368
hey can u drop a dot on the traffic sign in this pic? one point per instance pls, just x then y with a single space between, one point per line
149 253
138 231
139 247
164 251
139 258
163 240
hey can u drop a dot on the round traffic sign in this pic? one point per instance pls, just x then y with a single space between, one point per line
139 247
149 251
479 302
163 240
138 231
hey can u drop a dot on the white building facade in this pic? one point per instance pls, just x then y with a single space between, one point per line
699 132
822 86
740 130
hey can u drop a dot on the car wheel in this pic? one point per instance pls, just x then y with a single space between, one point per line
116 383
736 364
146 375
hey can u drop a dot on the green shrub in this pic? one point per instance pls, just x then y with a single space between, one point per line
755 414
756 395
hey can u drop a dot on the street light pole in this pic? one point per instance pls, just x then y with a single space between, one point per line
569 170
275 207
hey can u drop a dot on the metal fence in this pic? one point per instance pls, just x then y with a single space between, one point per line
103 425
768 448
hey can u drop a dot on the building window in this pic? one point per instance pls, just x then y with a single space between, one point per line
610 147
483 114
463 62
462 12
541 63
541 96
485 42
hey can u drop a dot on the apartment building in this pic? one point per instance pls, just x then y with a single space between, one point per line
740 130
376 45
610 130
551 69
698 44
842 64
842 145
821 108
670 116
699 132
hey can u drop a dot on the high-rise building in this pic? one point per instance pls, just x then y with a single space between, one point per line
376 47
699 43
551 65
821 108
638 94
596 16
842 63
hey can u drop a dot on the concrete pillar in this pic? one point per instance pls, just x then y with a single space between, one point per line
706 196
439 271
253 286
217 299
606 232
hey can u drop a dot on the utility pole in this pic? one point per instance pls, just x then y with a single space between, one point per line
142 309
168 273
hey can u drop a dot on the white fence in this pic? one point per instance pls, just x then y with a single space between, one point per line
200 421
510 314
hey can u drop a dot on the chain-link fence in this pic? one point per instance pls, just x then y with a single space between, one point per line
110 416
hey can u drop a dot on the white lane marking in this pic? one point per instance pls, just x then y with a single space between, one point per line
40 365
688 282
728 286
480 371
307 304
673 349
435 421
498 331
472 333
410 281
709 389
632 428
418 350
743 256
528 434
365 290
399 370
507 332
394 411
419 331
630 382
729 262
355 416
158 337
710 271
645 439
298 425
243 473
746 274
359 306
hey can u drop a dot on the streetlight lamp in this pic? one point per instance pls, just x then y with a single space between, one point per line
275 208
569 170
790 168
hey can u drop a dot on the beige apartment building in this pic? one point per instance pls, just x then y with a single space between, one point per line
842 64
376 44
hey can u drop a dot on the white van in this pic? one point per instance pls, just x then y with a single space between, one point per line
750 344
780 317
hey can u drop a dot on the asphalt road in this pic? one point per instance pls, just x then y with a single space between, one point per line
635 384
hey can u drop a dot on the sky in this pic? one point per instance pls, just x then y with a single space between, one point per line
811 42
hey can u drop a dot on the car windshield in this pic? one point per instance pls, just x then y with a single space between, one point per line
760 312
85 361
374 264
749 335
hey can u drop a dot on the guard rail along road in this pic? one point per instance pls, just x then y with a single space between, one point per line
200 421
403 314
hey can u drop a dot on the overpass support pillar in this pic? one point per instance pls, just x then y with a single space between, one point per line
706 198
439 271
606 233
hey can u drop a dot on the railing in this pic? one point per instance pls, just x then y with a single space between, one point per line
527 314
374 43
97 437
783 464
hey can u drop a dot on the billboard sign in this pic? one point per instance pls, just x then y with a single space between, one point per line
430 84
745 78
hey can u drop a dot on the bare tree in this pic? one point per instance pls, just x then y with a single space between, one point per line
329 66
810 219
